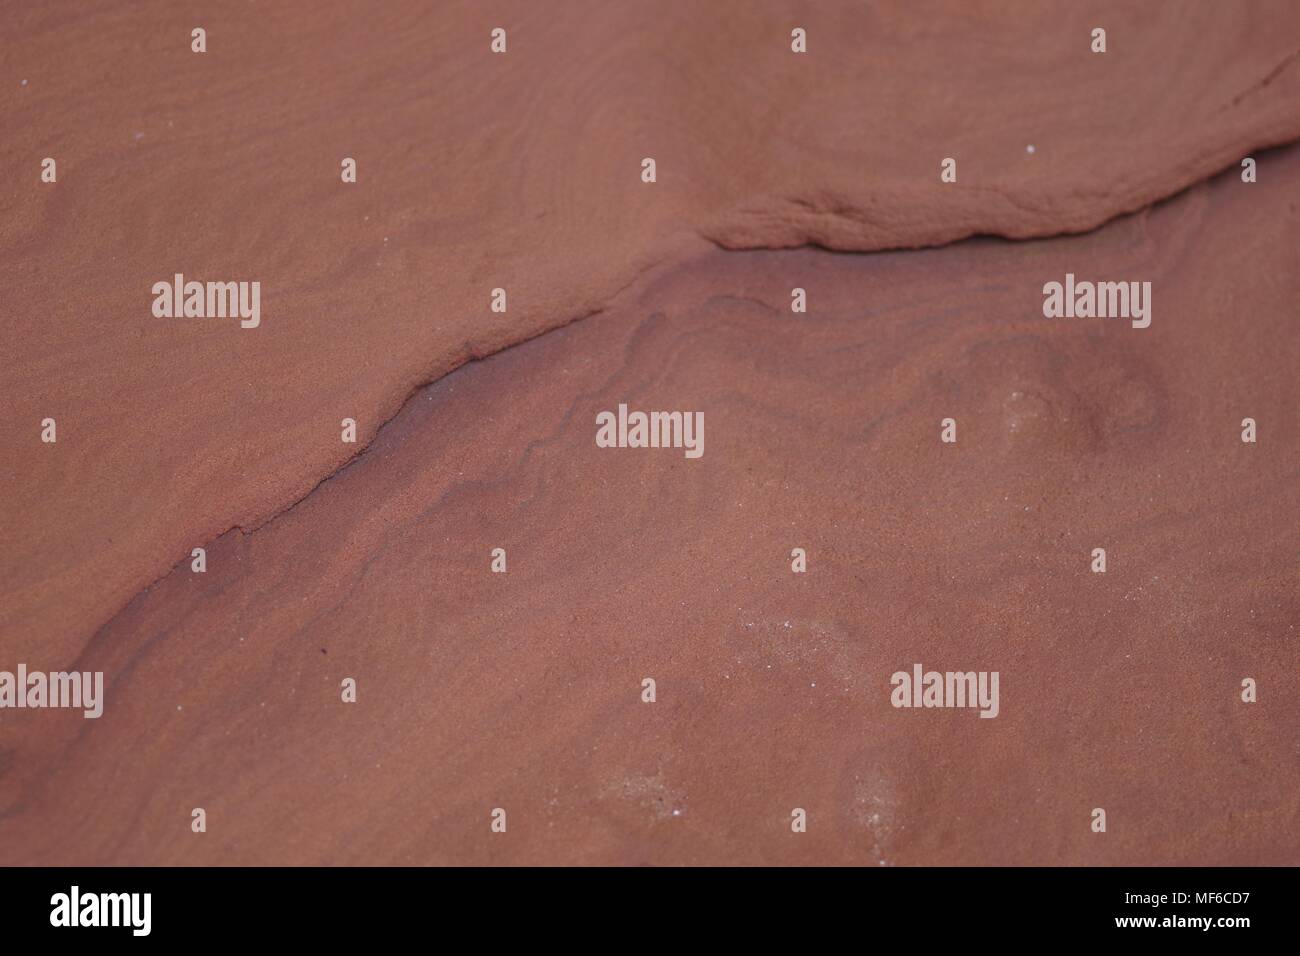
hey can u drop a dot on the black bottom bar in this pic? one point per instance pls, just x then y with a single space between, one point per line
330 906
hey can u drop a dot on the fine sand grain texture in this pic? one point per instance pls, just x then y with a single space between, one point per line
523 690
479 171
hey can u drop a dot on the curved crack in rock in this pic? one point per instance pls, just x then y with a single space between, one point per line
481 355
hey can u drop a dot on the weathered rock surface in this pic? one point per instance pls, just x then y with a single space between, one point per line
522 690
479 171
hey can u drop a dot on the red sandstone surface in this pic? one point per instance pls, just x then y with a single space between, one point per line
522 690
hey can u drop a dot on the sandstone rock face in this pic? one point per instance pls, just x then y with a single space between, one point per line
522 171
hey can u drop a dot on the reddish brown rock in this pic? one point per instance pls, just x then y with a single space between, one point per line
522 690
478 171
